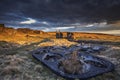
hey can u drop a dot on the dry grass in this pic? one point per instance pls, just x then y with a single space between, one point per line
20 39
72 65
25 38
22 64
57 42
11 65
98 37
14 60
11 70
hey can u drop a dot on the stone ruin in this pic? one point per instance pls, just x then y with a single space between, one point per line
59 35
69 35
2 26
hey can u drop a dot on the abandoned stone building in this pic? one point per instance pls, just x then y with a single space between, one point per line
59 35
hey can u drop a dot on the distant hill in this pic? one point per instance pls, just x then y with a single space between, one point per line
23 35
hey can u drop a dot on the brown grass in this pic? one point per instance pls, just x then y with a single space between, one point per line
72 65
22 37
10 70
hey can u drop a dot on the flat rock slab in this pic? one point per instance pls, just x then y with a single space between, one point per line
93 65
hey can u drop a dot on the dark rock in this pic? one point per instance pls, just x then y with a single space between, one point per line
74 65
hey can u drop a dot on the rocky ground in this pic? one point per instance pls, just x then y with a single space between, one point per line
16 62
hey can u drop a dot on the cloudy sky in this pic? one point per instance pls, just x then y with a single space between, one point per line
101 16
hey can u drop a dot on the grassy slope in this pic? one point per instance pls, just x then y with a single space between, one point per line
24 67
27 68
22 38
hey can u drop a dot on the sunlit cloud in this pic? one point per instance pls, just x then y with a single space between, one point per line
46 29
44 22
29 21
115 32
58 28
64 27
91 25
101 24
76 24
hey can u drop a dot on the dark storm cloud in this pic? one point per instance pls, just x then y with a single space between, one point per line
61 10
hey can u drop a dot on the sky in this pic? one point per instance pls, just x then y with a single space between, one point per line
99 16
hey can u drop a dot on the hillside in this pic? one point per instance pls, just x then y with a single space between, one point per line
17 63
26 35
